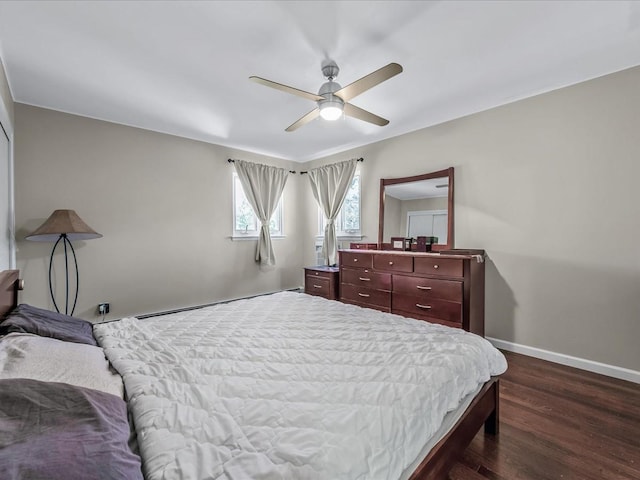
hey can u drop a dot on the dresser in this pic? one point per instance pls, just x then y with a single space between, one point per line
321 281
440 288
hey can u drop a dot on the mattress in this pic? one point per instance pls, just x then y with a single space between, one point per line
291 386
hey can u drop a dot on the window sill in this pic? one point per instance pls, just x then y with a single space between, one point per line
343 238
253 237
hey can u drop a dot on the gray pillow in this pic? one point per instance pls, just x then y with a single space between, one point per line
27 319
55 431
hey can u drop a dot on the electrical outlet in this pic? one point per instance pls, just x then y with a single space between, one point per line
103 308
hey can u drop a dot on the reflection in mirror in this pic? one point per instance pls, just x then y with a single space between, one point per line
421 205
417 209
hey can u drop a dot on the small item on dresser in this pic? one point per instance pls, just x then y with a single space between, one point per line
401 243
423 244
363 246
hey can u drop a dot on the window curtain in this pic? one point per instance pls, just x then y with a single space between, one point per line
263 186
330 185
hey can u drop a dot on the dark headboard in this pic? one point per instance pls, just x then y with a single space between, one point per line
9 286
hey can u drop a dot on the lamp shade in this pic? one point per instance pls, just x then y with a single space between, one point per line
63 222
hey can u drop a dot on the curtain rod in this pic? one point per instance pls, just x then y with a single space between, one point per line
357 160
231 160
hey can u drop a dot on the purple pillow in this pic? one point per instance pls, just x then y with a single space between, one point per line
27 319
56 431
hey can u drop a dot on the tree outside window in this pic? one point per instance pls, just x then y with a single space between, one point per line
245 222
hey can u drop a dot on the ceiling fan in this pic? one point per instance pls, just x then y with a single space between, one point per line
333 99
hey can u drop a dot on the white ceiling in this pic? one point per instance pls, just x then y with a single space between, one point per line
182 67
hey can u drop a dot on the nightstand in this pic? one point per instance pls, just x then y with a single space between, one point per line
321 281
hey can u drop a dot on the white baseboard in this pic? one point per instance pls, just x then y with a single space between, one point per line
561 358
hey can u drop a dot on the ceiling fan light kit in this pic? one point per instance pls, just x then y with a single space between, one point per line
332 106
332 99
330 110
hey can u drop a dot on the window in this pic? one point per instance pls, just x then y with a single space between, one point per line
245 222
348 221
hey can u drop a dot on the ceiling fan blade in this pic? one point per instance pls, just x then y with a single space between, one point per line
312 115
369 81
286 88
360 114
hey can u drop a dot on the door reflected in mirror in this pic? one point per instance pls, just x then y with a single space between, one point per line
421 205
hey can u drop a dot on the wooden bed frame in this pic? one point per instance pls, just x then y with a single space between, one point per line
482 410
10 283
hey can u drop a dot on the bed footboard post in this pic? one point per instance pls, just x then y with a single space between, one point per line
492 423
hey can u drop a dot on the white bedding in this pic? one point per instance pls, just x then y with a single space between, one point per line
290 386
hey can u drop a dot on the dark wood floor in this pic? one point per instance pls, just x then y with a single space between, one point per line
558 422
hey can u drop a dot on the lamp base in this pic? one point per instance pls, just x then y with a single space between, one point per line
67 245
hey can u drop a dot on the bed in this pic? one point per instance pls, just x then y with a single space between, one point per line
293 386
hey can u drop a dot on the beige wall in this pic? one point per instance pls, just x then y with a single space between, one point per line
163 204
563 270
392 219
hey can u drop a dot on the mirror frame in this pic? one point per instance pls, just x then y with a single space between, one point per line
393 181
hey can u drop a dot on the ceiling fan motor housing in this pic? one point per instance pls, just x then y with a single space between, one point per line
327 89
330 69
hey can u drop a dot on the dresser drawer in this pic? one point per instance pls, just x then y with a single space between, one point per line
366 278
386 309
425 287
393 263
311 272
356 259
317 286
433 320
368 296
422 308
447 267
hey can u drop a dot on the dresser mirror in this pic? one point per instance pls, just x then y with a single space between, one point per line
421 205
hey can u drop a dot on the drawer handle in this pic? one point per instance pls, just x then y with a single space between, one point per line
317 273
390 263
436 266
425 307
422 287
366 295
317 286
355 259
364 279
